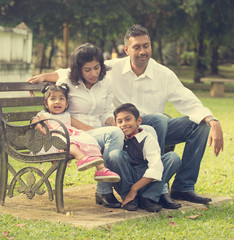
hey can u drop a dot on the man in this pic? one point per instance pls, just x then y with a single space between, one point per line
142 81
148 85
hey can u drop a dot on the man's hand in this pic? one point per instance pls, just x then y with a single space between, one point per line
130 196
216 137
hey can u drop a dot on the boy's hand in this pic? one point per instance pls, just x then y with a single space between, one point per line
130 196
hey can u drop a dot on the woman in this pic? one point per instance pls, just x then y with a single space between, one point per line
90 102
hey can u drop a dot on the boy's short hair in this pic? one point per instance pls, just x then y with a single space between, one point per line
127 107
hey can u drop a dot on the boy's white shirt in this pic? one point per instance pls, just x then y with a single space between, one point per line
151 153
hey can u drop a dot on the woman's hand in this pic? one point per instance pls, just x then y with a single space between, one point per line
44 77
110 122
37 79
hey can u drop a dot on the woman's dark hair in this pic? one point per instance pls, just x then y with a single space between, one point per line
81 55
127 107
51 88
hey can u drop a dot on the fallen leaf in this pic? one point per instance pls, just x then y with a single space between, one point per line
20 225
170 216
172 224
183 212
112 210
194 216
5 234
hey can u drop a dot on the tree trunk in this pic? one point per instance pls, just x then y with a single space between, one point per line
41 50
214 60
51 53
199 65
65 44
160 50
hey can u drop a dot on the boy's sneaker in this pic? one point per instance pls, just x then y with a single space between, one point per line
106 176
88 162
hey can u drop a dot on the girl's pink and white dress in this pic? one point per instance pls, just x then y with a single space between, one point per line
84 141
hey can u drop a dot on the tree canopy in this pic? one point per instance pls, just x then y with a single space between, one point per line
206 26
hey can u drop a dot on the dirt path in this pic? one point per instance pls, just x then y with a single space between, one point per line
81 209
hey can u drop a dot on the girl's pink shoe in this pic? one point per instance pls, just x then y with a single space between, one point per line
106 176
88 162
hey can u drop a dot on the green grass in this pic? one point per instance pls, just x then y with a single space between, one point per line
215 178
215 223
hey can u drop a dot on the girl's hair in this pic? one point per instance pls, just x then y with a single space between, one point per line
48 89
127 107
81 55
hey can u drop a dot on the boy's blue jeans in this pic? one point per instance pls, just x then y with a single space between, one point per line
119 162
172 131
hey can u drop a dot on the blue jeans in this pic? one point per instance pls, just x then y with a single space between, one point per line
119 162
172 131
109 139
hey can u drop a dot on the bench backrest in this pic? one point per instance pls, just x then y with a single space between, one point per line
11 115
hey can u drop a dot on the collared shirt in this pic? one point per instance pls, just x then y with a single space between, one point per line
143 149
151 91
90 106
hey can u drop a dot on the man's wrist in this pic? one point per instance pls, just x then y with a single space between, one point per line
210 119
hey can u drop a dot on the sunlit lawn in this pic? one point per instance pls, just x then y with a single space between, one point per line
215 178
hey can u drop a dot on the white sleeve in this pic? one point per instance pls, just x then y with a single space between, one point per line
109 109
185 101
63 72
152 153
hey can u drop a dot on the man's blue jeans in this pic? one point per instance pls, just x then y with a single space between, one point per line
119 162
109 139
172 131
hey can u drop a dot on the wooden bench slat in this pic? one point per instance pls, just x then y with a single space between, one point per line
24 101
221 80
19 86
19 116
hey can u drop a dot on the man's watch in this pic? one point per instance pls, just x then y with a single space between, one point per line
212 119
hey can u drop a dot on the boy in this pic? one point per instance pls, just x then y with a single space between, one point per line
142 169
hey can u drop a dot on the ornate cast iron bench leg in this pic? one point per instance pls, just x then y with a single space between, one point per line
3 175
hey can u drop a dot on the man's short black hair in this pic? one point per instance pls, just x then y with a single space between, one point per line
134 31
127 107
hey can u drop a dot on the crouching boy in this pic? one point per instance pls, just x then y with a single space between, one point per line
142 169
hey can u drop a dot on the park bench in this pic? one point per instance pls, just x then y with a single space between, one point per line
23 142
217 85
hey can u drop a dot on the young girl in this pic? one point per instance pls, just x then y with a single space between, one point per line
83 147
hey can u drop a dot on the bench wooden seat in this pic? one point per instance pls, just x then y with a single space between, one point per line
23 143
217 85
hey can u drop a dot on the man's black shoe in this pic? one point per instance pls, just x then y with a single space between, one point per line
132 205
166 202
190 196
108 200
149 205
